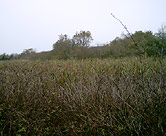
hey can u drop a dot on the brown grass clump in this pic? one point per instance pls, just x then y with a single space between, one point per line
89 97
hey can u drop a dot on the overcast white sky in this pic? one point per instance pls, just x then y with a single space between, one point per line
37 23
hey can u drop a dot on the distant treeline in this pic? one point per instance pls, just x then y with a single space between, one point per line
78 47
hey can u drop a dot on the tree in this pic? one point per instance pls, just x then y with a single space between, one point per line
64 40
161 40
63 47
4 57
83 38
161 35
28 53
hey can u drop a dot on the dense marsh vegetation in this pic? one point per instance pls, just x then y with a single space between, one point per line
83 97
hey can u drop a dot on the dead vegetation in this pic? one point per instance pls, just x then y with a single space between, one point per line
89 97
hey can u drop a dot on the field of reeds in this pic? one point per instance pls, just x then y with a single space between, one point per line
110 97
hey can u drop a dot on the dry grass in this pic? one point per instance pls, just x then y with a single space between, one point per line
90 97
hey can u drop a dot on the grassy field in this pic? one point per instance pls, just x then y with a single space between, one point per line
108 97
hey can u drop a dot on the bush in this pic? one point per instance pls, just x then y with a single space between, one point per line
87 97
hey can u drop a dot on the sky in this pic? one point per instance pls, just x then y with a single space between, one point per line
36 24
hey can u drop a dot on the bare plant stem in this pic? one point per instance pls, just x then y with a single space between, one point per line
161 70
125 29
161 67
